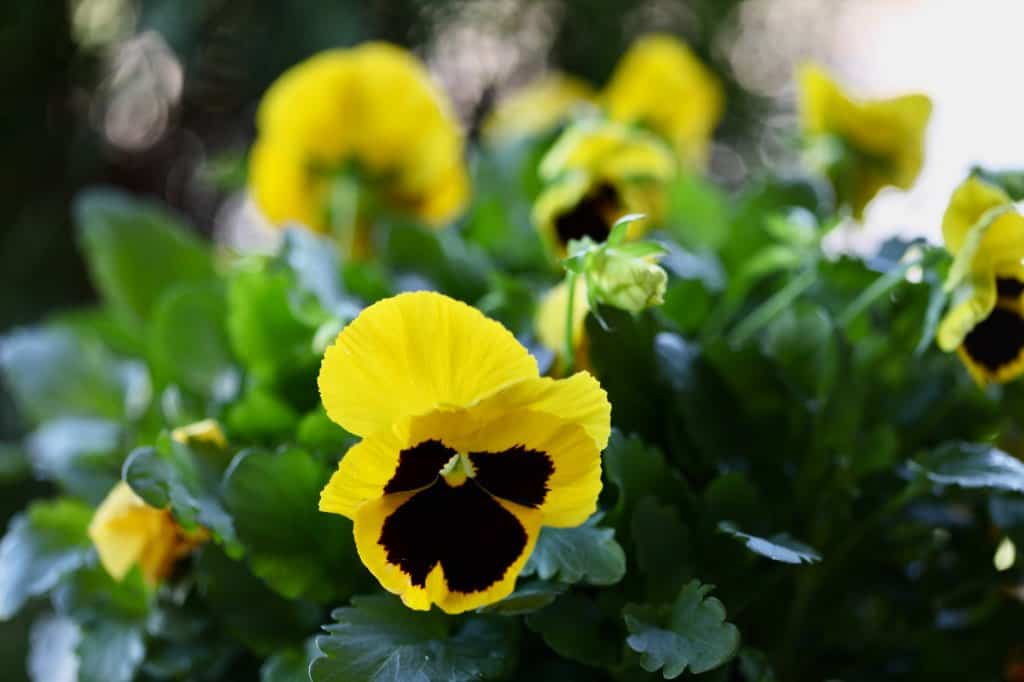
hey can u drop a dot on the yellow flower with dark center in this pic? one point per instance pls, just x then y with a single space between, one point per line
596 173
466 451
539 107
126 531
862 145
985 322
659 83
372 111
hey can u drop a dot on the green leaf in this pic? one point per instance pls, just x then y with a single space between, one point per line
690 633
268 333
289 666
698 211
575 628
41 546
14 463
297 549
528 597
261 416
188 342
171 474
135 250
779 547
82 454
636 470
586 553
317 432
661 547
314 260
377 639
90 595
51 655
110 652
52 373
973 465
250 612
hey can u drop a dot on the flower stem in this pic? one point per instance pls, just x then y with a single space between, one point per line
767 311
877 289
569 352
343 211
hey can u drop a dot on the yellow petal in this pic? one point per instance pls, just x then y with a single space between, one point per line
973 300
203 432
374 107
364 471
1002 243
538 107
660 83
458 548
414 353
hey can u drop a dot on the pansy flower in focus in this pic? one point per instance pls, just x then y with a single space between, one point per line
596 173
985 322
370 115
539 107
465 454
861 145
660 84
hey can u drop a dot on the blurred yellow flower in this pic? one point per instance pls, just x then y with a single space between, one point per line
205 432
862 145
596 173
985 322
371 110
466 451
126 531
539 107
659 83
549 324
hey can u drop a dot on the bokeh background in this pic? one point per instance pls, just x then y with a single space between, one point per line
158 97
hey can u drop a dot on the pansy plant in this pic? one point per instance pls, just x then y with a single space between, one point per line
466 451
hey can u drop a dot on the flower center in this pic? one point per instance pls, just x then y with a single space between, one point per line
458 469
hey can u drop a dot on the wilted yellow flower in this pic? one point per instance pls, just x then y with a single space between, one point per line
539 107
549 323
127 531
466 451
985 322
596 173
661 84
862 145
372 111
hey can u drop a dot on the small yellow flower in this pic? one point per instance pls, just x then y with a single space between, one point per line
539 107
373 109
549 323
127 531
466 451
661 84
596 173
862 146
985 322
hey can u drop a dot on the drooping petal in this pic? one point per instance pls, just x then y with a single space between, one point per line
457 547
974 298
414 353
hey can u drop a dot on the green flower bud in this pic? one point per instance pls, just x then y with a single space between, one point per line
628 282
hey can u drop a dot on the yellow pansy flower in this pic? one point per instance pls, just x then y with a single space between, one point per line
126 531
539 107
661 84
985 322
549 323
466 452
596 173
862 145
372 110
